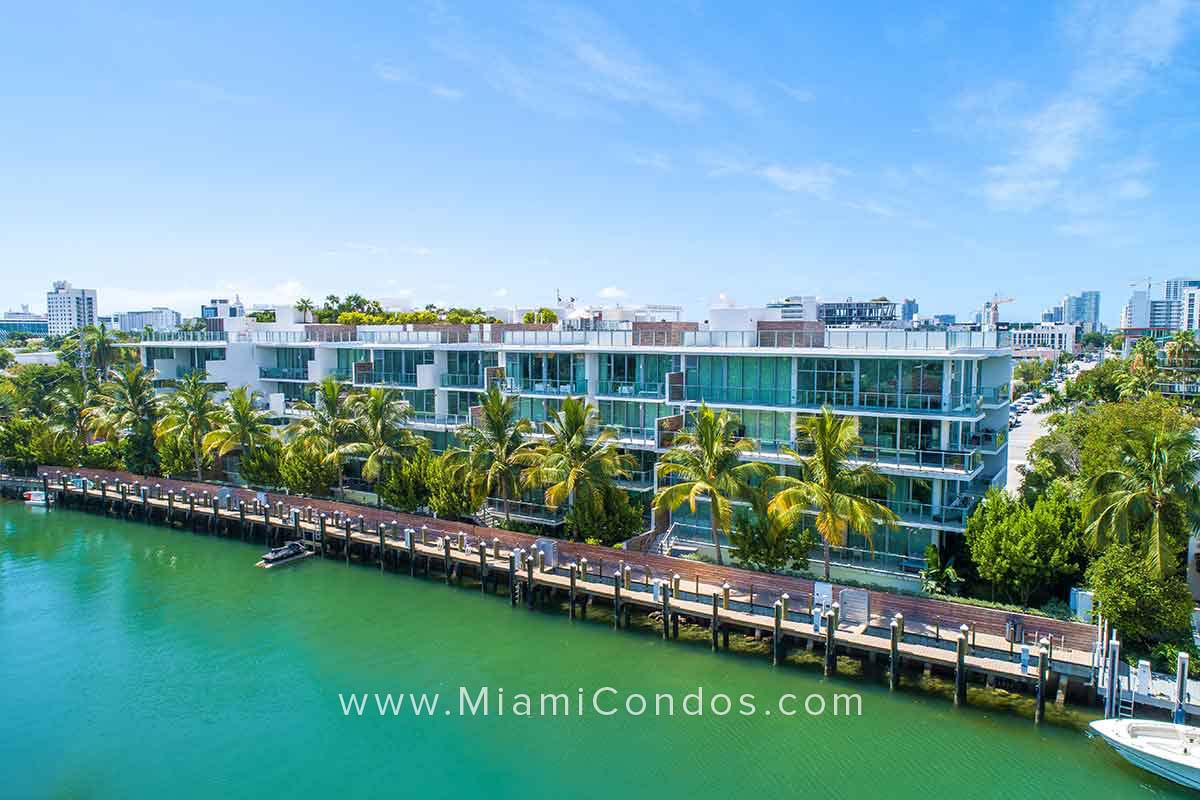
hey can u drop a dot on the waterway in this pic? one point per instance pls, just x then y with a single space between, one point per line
137 661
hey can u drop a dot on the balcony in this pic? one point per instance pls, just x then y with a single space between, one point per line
550 388
430 418
995 395
913 403
526 512
452 380
638 480
184 337
283 373
636 436
372 378
989 440
631 390
963 461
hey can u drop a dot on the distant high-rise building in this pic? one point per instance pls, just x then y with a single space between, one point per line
157 318
880 311
944 319
68 308
1083 309
1052 315
908 309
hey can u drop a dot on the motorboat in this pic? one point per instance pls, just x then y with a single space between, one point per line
1167 749
36 497
278 556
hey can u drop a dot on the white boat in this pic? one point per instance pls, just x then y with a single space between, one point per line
35 497
1164 748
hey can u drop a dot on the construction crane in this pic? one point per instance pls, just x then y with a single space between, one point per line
991 311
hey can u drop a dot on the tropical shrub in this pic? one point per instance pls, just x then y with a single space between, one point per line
1143 607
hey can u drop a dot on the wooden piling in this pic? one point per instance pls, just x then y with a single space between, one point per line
574 569
616 605
446 556
830 644
482 567
512 579
348 540
715 625
665 594
960 670
382 550
894 663
777 634
1039 710
529 580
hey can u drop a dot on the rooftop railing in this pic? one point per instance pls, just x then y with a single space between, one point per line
374 378
184 336
541 386
453 380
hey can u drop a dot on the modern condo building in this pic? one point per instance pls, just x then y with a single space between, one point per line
932 405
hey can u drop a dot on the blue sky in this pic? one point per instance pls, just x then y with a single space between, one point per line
486 154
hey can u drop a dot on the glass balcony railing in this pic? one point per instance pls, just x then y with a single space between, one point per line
990 440
542 386
631 434
960 461
914 402
342 374
373 378
184 336
537 512
430 418
451 380
643 390
284 373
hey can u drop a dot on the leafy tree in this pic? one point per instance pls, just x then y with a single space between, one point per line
448 498
1021 550
190 414
492 452
407 484
262 316
259 465
1094 340
17 436
541 316
68 412
176 456
126 408
304 469
326 424
938 578
306 308
378 432
241 426
841 495
577 459
707 464
606 519
764 543
7 359
1154 486
103 455
1143 606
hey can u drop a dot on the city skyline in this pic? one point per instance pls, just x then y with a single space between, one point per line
469 157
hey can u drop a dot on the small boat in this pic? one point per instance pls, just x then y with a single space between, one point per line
36 497
1164 748
278 556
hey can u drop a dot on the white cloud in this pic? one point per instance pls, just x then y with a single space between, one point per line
1118 47
613 292
501 292
815 179
395 74
796 93
187 300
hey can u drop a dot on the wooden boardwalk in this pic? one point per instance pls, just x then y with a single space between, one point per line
584 575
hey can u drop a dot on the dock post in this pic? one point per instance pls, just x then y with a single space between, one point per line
665 589
777 634
626 577
296 532
145 500
46 491
410 539
583 569
573 571
170 506
716 625
348 539
191 506
1181 678
616 604
725 587
960 670
322 524
446 556
1039 710
483 568
894 662
529 580
830 644
382 550
512 579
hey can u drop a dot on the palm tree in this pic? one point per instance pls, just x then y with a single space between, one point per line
190 414
1157 472
379 418
100 344
125 407
241 426
492 452
575 459
305 306
829 485
327 423
708 462
68 411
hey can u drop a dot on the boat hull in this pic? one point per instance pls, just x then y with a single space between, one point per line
1168 768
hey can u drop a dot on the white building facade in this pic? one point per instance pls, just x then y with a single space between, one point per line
68 308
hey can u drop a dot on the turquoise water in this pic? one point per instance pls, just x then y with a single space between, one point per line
138 661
